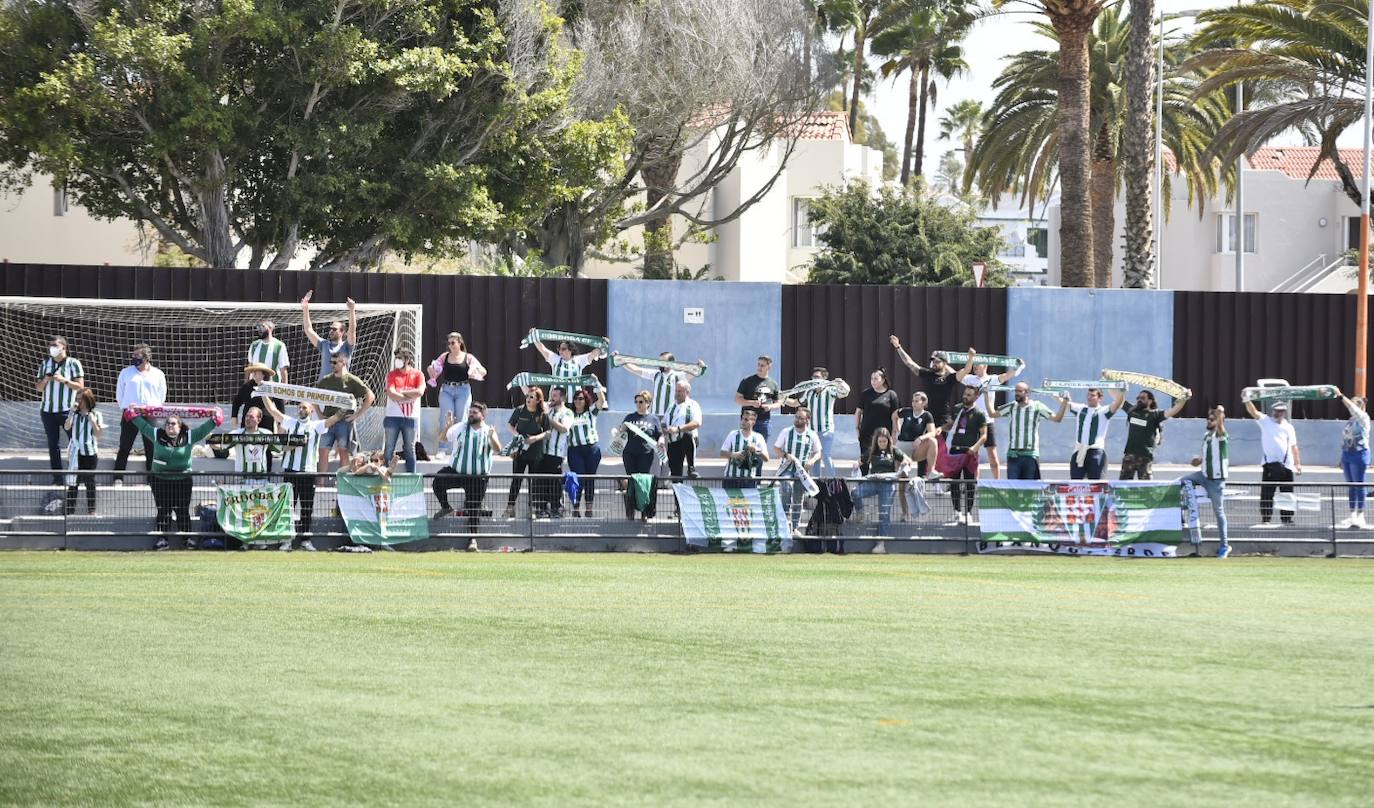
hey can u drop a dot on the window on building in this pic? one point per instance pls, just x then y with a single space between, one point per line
59 200
1226 232
1352 232
802 233
1039 238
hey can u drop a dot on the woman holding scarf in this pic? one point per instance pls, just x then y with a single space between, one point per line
171 461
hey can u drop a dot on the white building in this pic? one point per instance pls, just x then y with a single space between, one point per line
773 239
1296 231
40 226
1025 236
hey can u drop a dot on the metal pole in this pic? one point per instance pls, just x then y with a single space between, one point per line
1240 200
1362 289
1159 165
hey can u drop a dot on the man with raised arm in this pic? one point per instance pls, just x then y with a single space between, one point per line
665 381
976 376
821 403
1281 457
300 463
941 382
339 342
1089 458
1023 416
1145 420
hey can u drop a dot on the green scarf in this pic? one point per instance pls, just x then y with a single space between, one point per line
542 334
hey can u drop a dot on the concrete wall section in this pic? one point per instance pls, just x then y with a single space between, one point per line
1075 333
740 322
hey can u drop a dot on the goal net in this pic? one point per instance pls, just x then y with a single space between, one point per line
202 348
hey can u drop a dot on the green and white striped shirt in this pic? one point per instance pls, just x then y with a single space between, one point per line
735 442
682 415
270 353
1024 420
583 432
472 452
249 458
83 431
1215 463
570 369
799 444
664 381
821 403
302 459
557 442
58 397
1092 424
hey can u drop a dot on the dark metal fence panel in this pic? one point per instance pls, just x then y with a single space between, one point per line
1225 341
846 329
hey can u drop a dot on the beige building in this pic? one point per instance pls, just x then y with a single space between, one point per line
1296 231
773 240
40 226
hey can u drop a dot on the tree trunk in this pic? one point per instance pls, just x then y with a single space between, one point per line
1075 142
561 239
1138 153
860 31
212 198
658 231
921 120
913 98
1103 194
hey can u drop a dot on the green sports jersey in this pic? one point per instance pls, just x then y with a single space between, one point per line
583 432
1215 463
472 452
821 403
799 443
1024 426
735 442
271 353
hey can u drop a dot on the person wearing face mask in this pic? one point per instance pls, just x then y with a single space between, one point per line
300 463
171 461
139 384
60 378
404 386
270 351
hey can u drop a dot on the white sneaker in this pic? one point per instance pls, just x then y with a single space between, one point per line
285 547
880 548
1264 526
307 546
472 546
1359 521
1350 521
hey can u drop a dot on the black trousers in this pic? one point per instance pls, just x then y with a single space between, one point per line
474 491
127 433
680 452
53 423
548 493
962 492
303 489
173 499
1274 473
520 464
85 463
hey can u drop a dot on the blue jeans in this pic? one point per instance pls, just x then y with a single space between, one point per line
339 436
1094 463
1023 467
761 427
792 496
584 460
453 398
399 426
826 464
1215 490
886 490
1354 462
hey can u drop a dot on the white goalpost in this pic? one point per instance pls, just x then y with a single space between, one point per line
201 346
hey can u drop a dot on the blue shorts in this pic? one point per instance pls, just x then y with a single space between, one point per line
338 435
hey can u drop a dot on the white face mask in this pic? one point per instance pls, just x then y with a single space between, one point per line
54 351
399 363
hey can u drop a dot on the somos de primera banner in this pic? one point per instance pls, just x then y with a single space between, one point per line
1082 517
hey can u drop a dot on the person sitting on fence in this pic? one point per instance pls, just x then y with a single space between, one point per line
1355 458
474 443
886 463
85 426
171 461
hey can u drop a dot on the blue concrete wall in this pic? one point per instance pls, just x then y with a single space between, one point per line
742 321
1074 333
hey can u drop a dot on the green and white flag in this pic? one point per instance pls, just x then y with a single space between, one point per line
1082 517
727 517
378 511
255 513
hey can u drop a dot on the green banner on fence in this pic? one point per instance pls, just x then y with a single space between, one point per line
1081 517
727 517
255 513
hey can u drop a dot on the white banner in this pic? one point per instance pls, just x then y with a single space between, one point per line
725 517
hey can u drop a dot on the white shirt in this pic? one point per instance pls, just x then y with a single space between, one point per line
1277 441
1091 424
556 444
681 414
148 387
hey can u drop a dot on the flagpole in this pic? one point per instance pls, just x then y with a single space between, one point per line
1362 288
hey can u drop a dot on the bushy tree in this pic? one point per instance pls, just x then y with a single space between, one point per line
892 236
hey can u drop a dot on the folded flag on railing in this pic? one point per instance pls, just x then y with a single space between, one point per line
747 519
254 439
1159 384
550 380
1081 517
380 511
548 335
693 369
995 360
301 392
255 513
1081 384
1310 392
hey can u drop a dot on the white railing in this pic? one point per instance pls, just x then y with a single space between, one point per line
1311 274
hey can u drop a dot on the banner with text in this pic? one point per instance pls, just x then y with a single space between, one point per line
380 511
1082 517
749 519
255 513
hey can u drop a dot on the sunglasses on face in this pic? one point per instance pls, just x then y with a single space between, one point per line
641 401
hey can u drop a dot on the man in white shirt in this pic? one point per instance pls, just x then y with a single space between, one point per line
1281 458
682 421
746 450
250 458
800 447
1089 459
300 463
665 382
474 443
139 384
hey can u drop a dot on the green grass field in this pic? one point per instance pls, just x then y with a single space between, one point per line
442 679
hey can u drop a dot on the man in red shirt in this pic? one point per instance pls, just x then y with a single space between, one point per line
404 386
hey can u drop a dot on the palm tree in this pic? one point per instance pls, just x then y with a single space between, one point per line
963 122
1302 62
868 19
1019 147
1137 152
923 42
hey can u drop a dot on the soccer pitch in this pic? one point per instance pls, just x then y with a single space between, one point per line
598 679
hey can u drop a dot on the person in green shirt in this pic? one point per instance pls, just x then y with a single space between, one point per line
170 481
340 436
